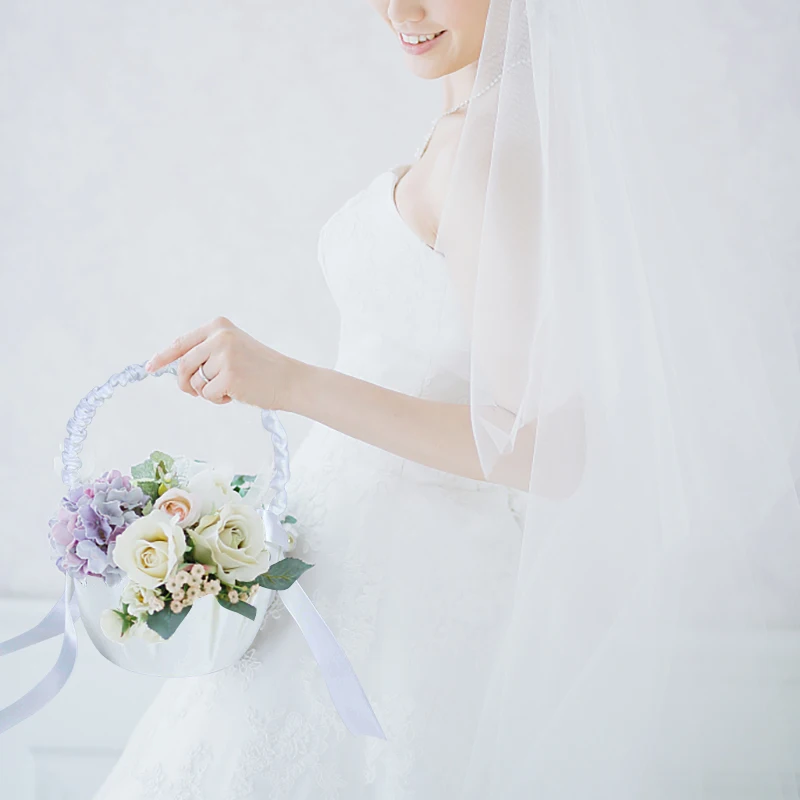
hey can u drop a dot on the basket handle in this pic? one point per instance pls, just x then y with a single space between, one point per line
78 425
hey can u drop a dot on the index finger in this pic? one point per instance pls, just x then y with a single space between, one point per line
180 346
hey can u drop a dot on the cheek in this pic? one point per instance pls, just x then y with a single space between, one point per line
469 20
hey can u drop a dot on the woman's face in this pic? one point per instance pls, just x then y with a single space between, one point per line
463 23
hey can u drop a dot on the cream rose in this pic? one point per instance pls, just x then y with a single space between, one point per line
232 539
185 505
212 488
150 549
137 598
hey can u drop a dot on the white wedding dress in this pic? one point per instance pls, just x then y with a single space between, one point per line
413 572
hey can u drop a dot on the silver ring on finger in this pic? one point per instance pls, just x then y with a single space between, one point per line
205 377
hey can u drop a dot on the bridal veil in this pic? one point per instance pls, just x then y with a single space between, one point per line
622 228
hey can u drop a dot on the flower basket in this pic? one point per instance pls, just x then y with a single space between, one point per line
173 568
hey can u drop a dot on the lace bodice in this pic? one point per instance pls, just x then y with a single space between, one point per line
401 326
393 296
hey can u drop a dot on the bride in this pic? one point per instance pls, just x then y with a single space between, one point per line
552 491
415 551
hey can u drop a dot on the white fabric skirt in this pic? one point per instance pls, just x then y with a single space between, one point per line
413 572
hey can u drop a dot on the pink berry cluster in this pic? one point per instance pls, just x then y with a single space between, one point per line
187 585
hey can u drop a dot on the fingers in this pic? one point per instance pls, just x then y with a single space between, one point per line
190 363
185 342
214 390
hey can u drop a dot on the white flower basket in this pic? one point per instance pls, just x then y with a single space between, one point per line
210 636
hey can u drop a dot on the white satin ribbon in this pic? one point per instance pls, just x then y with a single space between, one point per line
343 685
60 619
345 690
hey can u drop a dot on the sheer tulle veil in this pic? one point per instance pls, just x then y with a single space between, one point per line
622 231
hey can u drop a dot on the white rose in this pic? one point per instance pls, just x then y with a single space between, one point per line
179 503
212 488
111 625
233 540
150 549
137 598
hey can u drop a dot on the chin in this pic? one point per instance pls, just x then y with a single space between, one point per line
430 70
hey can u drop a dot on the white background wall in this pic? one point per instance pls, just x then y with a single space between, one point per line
161 162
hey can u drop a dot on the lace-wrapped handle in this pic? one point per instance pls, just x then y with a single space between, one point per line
78 425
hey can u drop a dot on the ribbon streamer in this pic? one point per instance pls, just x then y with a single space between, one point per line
345 690
60 619
343 686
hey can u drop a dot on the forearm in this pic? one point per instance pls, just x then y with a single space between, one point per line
436 434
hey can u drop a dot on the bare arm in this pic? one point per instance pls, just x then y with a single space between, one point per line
429 432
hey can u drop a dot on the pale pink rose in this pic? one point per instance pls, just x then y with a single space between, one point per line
179 502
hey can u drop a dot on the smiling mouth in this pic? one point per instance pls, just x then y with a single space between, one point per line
420 44
420 47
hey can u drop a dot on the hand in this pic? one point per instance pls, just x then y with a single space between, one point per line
238 366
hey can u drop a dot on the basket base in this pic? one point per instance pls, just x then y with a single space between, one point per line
211 637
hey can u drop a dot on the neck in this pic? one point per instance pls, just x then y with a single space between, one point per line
458 85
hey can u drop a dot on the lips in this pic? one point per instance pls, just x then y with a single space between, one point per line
436 36
420 47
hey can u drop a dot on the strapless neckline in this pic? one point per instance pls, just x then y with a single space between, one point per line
394 174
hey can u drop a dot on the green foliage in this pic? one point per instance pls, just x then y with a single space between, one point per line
150 488
127 619
245 609
282 574
166 622
150 474
166 461
242 483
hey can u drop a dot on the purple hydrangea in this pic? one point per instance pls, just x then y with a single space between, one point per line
89 520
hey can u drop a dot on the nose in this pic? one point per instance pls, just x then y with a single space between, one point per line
404 11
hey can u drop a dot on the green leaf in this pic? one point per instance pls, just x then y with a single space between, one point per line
282 574
127 619
165 622
240 482
245 609
290 520
158 456
144 471
150 488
